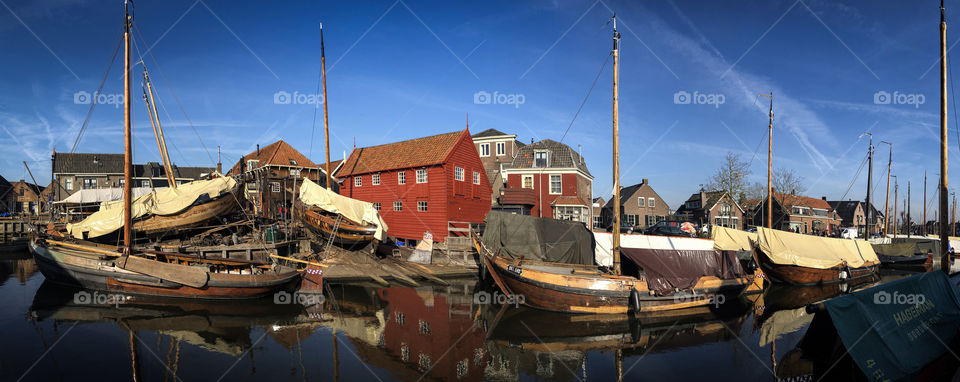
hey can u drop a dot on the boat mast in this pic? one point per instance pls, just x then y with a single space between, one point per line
944 237
924 203
770 164
869 206
127 134
909 221
886 205
158 130
326 124
616 148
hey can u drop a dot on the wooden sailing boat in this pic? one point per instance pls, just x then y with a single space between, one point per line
799 259
575 288
155 273
330 225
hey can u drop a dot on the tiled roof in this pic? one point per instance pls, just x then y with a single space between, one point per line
569 201
88 163
790 201
278 153
560 156
419 152
146 171
489 133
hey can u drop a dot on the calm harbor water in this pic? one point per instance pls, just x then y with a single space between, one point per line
377 333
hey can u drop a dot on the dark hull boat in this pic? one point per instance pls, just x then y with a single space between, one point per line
347 222
93 267
341 230
194 216
798 259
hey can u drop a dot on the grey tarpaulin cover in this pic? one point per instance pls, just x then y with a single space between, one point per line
538 238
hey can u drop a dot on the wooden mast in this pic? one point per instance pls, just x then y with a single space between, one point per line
944 237
127 136
869 202
158 131
924 203
886 205
326 123
616 149
770 164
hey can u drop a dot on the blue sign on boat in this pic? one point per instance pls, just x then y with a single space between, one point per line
895 329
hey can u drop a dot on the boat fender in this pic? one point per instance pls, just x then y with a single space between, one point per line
634 302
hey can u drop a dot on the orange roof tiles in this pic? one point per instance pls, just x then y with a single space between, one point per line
278 153
419 152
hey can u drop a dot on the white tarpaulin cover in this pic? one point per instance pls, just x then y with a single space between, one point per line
729 239
788 248
356 210
100 195
167 201
603 254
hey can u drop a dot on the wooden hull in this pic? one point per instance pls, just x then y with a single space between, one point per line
347 232
193 216
74 267
796 275
584 289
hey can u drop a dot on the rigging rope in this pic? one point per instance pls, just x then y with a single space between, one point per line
584 98
93 97
852 181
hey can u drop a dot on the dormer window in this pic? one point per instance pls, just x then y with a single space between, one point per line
293 162
540 158
252 164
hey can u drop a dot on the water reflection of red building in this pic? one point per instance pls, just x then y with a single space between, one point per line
432 333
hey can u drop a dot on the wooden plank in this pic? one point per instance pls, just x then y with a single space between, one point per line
182 274
399 276
413 267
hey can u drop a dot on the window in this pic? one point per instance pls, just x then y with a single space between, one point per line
295 172
597 221
555 184
21 192
401 177
422 206
641 202
252 164
484 149
422 175
540 159
274 186
501 148
357 181
122 182
476 177
89 184
528 181
376 206
293 162
651 202
376 179
68 184
398 206
458 173
144 183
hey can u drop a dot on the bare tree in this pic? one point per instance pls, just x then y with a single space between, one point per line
731 177
788 182
756 191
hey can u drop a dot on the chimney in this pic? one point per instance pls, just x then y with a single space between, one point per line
645 181
531 141
824 198
258 151
219 165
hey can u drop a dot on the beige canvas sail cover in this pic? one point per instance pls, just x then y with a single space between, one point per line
356 210
788 248
167 201
729 239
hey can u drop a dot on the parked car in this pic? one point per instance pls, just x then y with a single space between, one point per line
671 228
849 233
624 227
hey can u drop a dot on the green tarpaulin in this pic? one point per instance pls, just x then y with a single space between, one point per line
895 329
538 238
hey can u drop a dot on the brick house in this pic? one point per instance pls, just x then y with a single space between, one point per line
28 198
714 207
551 176
7 197
77 171
272 176
640 206
420 184
853 214
496 148
796 213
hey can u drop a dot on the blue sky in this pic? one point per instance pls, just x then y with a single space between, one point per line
405 69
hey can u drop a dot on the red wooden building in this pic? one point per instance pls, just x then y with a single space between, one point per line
421 184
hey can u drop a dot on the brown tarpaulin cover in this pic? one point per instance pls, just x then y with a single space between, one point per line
670 270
